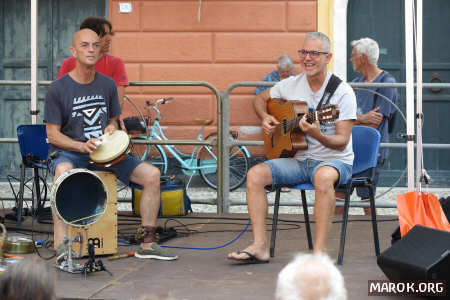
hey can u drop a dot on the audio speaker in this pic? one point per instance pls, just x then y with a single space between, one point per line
422 254
102 233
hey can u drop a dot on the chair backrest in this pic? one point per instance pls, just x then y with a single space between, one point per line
366 143
33 142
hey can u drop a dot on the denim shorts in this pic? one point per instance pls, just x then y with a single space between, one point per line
290 171
122 169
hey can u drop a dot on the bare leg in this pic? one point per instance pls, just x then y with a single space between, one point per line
59 227
257 178
325 202
148 177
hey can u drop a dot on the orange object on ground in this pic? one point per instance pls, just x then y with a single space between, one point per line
6 255
420 208
119 256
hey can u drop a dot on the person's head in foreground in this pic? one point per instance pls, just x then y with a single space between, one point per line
310 277
29 279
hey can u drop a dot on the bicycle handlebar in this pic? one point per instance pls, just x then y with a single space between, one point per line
163 100
157 102
154 106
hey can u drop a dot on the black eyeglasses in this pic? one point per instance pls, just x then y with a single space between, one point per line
313 53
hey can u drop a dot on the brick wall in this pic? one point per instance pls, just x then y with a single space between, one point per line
233 41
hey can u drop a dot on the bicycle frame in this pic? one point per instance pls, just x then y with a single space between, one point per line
202 159
189 162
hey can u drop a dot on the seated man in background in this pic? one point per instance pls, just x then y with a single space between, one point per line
310 277
80 107
373 110
284 69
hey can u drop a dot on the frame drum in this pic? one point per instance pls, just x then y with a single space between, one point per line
79 197
114 148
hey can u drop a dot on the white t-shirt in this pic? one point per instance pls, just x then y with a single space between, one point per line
296 88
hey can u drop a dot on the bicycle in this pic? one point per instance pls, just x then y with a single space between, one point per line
202 159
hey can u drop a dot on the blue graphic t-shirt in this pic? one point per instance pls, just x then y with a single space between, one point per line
82 110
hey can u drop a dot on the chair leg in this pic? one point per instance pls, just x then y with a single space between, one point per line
344 226
374 220
21 196
307 224
36 201
276 206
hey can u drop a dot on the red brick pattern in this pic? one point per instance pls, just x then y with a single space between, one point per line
234 41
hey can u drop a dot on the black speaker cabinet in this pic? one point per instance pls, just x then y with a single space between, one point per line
422 254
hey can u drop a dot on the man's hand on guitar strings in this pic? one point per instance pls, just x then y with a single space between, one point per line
311 129
269 123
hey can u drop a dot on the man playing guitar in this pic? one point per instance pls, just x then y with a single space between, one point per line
326 162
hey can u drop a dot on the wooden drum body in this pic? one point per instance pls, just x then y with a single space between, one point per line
87 202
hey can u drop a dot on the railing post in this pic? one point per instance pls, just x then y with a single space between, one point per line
225 171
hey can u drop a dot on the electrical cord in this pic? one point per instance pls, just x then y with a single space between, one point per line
204 248
190 231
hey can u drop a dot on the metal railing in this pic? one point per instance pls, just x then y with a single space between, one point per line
223 124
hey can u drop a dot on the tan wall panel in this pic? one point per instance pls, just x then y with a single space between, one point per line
181 110
234 41
165 47
256 47
215 16
241 110
302 16
133 74
220 75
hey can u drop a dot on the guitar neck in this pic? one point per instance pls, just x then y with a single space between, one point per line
294 123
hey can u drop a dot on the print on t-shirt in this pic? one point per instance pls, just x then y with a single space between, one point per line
93 110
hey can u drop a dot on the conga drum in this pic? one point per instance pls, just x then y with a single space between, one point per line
114 148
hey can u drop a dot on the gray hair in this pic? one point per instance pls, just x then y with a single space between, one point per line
29 279
326 45
285 62
310 276
368 47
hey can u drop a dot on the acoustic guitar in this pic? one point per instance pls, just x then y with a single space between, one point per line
288 137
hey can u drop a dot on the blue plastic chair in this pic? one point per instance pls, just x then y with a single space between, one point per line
366 143
34 148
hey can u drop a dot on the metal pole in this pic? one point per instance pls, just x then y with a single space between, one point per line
419 119
34 55
225 153
409 60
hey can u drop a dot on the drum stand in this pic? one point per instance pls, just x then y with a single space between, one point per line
90 266
93 266
67 264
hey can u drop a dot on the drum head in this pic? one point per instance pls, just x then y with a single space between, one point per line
79 197
113 146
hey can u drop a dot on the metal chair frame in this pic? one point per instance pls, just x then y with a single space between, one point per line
366 141
34 148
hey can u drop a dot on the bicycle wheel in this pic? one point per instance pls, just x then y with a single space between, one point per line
207 161
152 154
